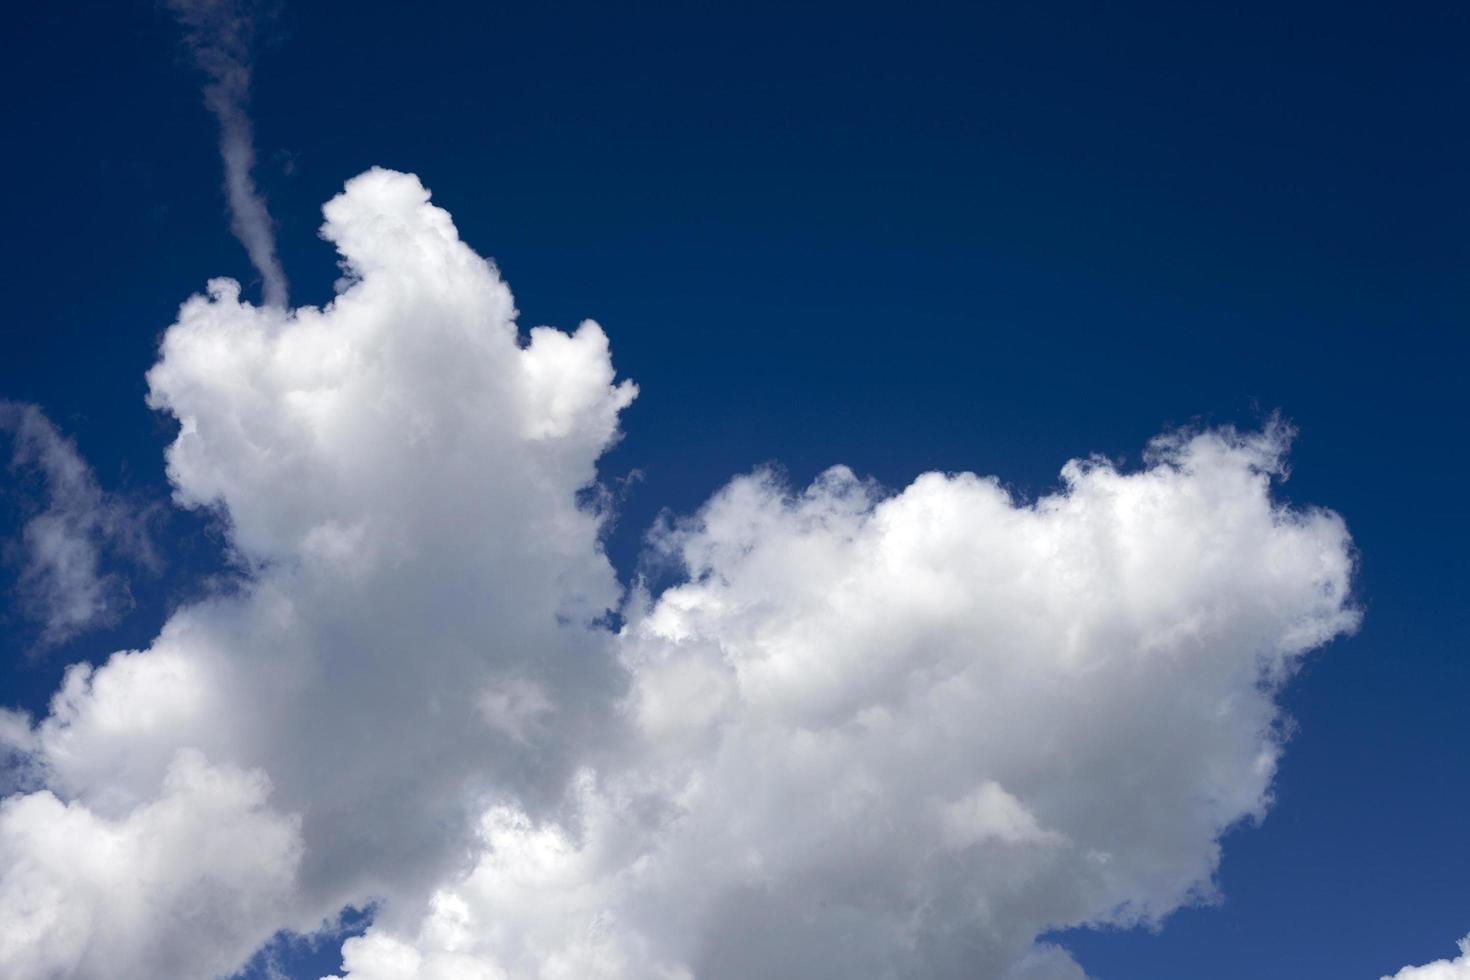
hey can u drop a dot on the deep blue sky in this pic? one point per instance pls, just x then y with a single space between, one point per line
892 236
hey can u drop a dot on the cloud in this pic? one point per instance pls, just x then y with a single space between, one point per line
64 543
218 34
903 735
85 895
1455 969
873 733
399 473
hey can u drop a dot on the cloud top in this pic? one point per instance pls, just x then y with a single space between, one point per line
1451 969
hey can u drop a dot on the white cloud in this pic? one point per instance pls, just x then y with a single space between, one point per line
900 736
66 541
399 471
1455 969
873 734
202 867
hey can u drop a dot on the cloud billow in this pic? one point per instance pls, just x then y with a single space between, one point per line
870 733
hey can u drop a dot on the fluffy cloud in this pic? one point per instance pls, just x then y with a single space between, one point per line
901 736
1455 969
871 733
67 540
399 472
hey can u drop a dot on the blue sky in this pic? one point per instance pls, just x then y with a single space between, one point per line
937 238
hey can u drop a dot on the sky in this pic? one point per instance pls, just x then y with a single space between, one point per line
500 651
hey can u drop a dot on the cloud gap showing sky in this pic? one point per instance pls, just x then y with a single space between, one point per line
865 733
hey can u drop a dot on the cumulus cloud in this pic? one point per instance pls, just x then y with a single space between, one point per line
69 536
1455 969
399 472
903 735
218 34
870 733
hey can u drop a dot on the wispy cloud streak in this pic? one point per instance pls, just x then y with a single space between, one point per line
218 34
75 530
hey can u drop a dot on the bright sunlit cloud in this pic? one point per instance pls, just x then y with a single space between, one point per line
869 733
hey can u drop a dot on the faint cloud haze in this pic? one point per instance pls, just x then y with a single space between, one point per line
71 528
219 34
